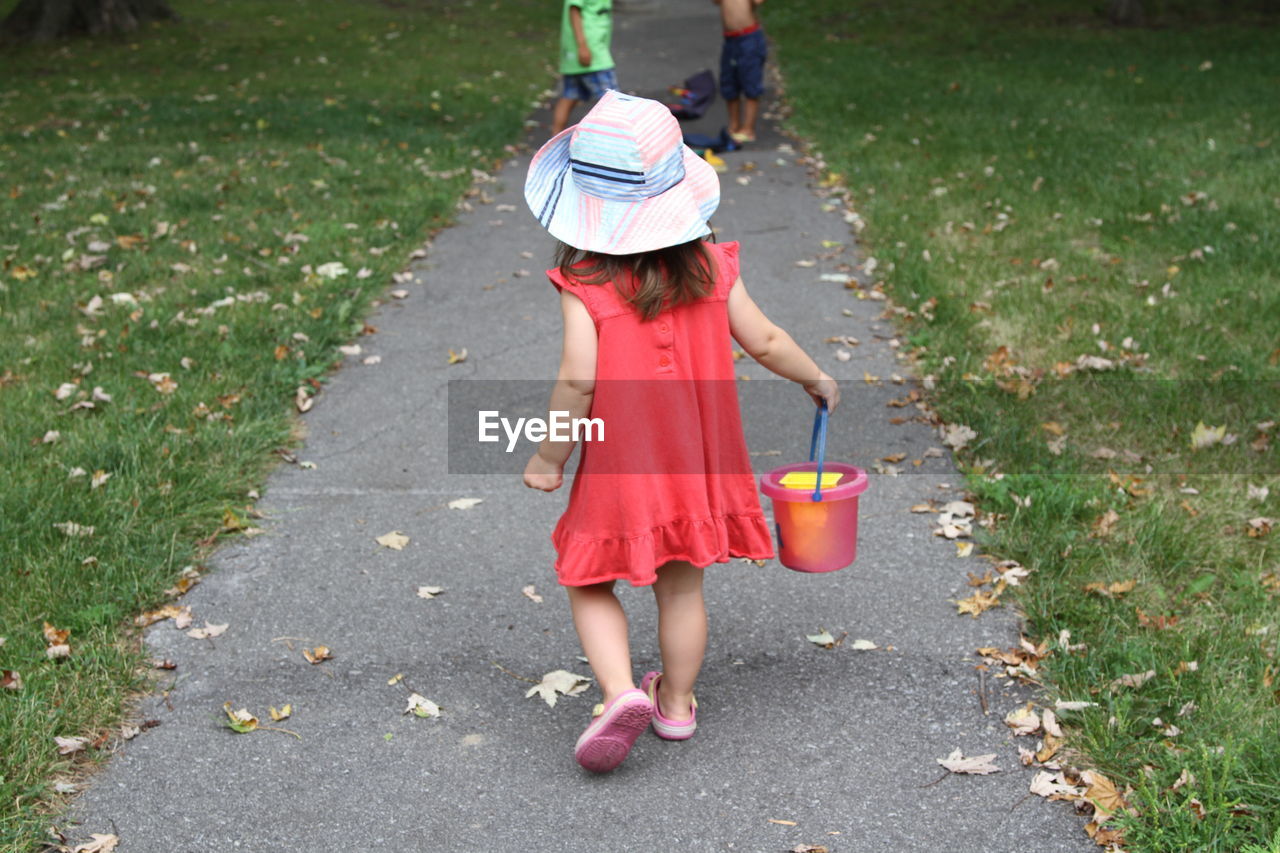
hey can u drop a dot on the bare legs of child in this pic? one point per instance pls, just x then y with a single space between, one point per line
742 118
682 640
602 629
682 635
560 114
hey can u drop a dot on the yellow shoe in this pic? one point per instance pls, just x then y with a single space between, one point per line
715 162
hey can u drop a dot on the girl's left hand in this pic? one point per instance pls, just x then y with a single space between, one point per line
543 475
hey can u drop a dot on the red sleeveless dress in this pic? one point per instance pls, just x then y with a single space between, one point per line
672 479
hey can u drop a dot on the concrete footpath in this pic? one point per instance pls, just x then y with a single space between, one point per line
796 744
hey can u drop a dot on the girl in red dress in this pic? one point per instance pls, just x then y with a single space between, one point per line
650 312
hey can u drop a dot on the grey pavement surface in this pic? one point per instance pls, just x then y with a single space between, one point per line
841 742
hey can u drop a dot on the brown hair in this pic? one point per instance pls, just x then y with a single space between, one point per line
650 281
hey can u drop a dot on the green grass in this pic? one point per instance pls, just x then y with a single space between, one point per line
219 162
979 141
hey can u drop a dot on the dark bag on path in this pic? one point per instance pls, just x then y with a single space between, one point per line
695 95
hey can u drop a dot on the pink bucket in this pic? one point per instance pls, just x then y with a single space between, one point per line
817 530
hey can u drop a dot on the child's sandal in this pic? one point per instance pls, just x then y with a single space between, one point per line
662 726
606 742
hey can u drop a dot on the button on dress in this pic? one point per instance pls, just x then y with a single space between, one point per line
672 479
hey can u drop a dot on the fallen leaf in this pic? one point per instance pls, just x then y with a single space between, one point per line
1111 590
1073 706
964 549
464 503
209 631
1205 436
782 822
863 646
978 765
531 594
98 843
956 436
457 357
822 638
429 592
70 528
1135 680
1048 748
240 721
1023 721
1103 524
423 707
70 745
1049 721
55 636
284 712
317 655
977 603
1055 786
558 681
10 680
395 540
1258 493
1102 793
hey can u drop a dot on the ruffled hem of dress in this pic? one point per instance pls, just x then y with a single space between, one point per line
636 559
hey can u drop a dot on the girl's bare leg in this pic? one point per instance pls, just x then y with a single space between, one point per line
602 629
682 636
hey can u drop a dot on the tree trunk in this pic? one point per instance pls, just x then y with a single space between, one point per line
42 20
1126 13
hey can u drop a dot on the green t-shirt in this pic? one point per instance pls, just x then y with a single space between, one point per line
597 26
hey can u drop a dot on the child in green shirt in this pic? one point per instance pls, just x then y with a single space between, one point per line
586 29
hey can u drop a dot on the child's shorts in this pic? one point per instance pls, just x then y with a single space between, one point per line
742 66
589 86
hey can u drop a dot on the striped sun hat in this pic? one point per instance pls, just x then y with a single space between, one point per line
622 181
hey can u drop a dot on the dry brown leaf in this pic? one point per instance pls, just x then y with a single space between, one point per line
978 602
1102 793
556 682
70 745
283 713
1135 680
317 655
98 843
1103 524
1048 748
10 680
531 594
429 592
1023 721
782 822
1111 590
978 765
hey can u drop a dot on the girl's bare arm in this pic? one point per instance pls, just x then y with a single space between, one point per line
573 391
770 345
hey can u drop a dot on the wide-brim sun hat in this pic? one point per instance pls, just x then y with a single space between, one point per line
622 181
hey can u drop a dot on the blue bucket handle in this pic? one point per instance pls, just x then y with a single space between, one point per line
818 445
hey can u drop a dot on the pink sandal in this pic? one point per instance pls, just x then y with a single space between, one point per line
606 742
663 727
